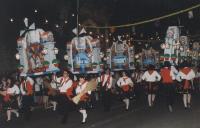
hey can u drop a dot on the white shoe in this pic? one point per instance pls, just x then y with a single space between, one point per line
170 108
17 115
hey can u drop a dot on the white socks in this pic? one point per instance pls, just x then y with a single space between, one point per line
84 113
54 105
9 112
151 98
127 102
186 100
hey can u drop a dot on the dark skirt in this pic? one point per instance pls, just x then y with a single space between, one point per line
151 87
12 103
82 105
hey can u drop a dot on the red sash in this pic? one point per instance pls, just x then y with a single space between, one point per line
107 81
85 96
186 84
6 98
69 91
125 88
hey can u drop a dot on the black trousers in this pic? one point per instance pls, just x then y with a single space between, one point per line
64 106
106 98
169 90
27 102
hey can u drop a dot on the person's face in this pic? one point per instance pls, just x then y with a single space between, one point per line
123 74
9 81
107 72
65 74
81 79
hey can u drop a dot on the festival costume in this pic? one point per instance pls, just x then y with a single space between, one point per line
26 88
125 83
168 78
64 97
82 104
151 77
106 84
185 76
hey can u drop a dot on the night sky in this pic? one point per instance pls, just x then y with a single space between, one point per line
114 11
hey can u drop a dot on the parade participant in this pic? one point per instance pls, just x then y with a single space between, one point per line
38 91
186 75
151 76
137 79
82 104
125 83
45 89
168 78
65 94
106 84
26 88
2 88
3 84
53 90
10 99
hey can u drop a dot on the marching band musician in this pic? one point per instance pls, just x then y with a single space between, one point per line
65 94
10 99
151 76
26 88
82 104
125 83
168 78
186 75
106 84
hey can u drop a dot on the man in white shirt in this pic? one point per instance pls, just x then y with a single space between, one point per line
64 98
106 84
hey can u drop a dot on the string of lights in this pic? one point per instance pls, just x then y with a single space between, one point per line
146 21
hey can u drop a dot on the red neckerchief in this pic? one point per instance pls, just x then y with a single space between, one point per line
64 80
108 79
124 78
186 70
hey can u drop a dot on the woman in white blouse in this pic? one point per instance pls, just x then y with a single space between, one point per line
125 83
151 76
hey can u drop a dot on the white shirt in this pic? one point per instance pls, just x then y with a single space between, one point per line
174 70
81 87
155 76
181 76
137 76
21 85
38 83
124 81
14 90
66 83
109 85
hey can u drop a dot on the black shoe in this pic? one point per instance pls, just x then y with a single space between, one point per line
63 121
83 122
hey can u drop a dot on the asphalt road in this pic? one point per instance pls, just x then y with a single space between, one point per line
139 116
